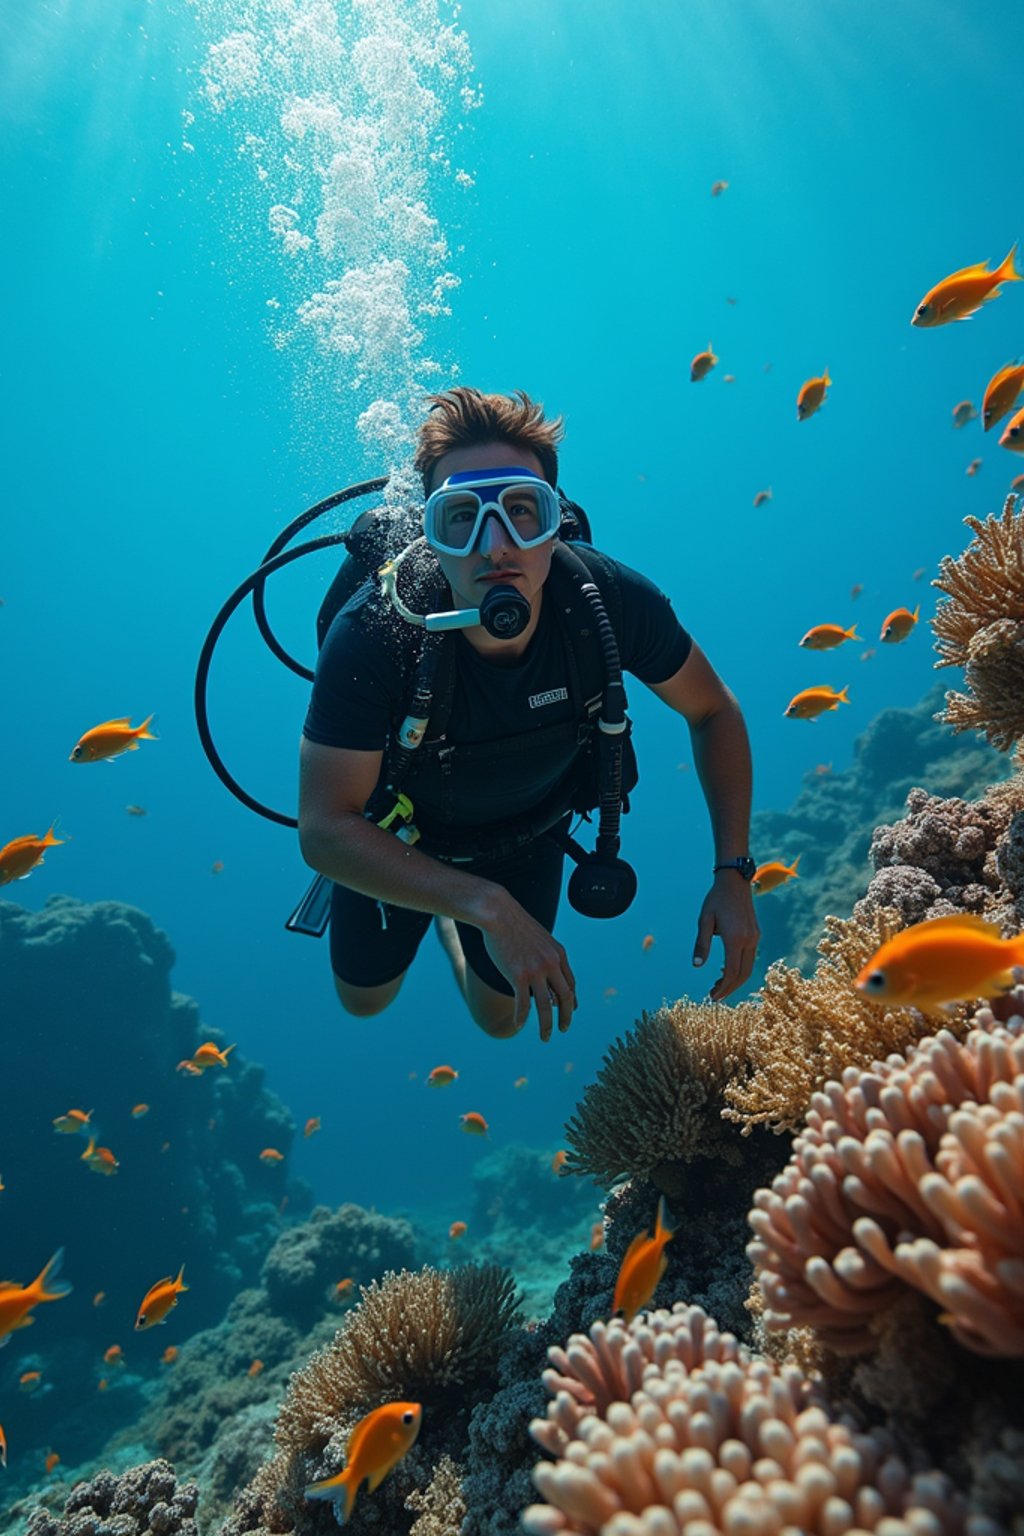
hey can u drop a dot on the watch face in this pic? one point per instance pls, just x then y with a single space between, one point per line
747 868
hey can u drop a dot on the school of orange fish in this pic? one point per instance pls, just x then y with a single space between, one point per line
930 965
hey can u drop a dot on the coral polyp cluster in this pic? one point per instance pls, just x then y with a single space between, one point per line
910 1174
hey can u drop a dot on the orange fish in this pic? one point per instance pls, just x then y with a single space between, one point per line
718 187
255 1368
1017 484
138 1110
29 1381
378 1443
812 702
159 1300
217 867
963 413
812 396
102 1385
52 1461
822 768
99 1159
22 855
642 1267
520 1082
271 1155
111 739
609 993
963 293
597 1236
975 464
99 1298
189 1068
768 876
1001 393
169 1355
3 1447
728 378
114 1355
899 624
440 1077
856 589
919 573
210 1055
474 1124
558 1159
311 1126
945 960
648 942
825 637
1013 434
457 1229
343 1288
762 497
702 365
74 1121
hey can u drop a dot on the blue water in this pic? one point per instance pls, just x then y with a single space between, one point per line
156 438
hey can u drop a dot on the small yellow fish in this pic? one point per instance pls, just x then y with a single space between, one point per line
99 1159
702 365
963 413
74 1121
378 1443
1001 393
440 1077
812 396
1013 434
139 1111
159 1300
898 625
718 187
963 293
763 496
17 1301
945 960
110 740
271 1155
22 855
768 876
642 1267
474 1124
825 637
812 702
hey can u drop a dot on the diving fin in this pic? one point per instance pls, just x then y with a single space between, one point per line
313 912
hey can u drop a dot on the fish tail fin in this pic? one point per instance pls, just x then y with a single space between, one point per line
228 1049
792 867
47 1287
843 696
917 613
180 1283
335 1489
143 730
49 841
662 1229
1017 949
825 377
90 1149
851 633
1007 271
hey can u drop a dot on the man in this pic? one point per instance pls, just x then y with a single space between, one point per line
490 467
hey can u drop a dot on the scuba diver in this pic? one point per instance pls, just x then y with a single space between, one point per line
467 701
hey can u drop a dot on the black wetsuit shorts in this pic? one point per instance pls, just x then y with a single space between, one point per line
373 942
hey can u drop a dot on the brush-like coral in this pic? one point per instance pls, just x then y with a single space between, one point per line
658 1096
805 1030
981 628
909 1174
728 1444
414 1336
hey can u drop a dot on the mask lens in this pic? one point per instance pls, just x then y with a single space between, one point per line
522 509
456 519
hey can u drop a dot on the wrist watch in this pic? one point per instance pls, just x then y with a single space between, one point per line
745 866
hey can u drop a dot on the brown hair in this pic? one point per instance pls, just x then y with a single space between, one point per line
462 416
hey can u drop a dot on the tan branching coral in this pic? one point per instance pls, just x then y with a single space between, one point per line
807 1029
414 1336
735 1444
658 1095
910 1174
440 1507
981 628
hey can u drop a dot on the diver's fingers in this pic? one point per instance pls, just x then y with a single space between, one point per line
542 997
522 1008
565 996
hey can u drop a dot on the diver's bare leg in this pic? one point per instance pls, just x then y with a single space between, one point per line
492 1010
363 1002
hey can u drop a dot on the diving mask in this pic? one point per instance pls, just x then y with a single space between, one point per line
527 506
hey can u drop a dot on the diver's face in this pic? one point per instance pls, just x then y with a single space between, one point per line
496 558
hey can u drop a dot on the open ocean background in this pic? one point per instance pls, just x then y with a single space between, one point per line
167 410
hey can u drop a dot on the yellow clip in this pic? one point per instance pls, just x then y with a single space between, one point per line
401 810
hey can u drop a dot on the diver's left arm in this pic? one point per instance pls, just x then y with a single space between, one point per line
721 751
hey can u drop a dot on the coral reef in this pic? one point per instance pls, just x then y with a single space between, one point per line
440 1506
980 627
307 1261
85 989
145 1501
665 1426
658 1095
833 819
911 1174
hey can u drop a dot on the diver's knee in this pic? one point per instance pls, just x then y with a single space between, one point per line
502 1028
364 1002
492 1010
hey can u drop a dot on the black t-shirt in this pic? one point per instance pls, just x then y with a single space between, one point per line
360 690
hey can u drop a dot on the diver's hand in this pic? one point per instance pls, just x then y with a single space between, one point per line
534 963
728 910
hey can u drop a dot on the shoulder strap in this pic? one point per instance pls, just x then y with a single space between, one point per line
571 566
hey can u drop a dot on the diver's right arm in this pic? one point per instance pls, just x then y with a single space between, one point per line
336 839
